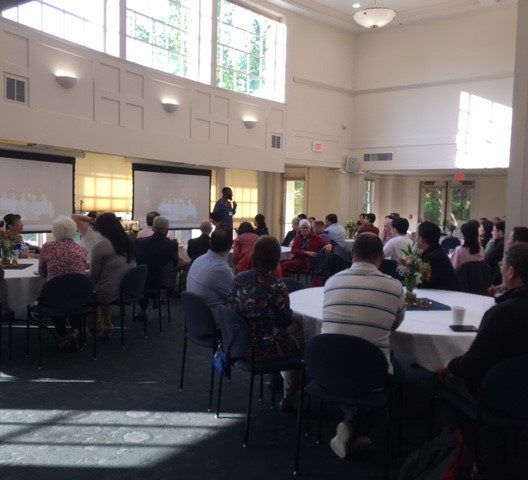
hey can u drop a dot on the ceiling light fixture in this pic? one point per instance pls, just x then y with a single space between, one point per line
374 17
356 5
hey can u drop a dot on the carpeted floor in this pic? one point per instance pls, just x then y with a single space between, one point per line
122 417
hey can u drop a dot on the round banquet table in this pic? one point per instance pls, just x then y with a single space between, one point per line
21 287
423 335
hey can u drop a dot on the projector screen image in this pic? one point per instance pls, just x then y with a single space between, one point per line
37 187
180 194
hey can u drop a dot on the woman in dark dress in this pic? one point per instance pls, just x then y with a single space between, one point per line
260 225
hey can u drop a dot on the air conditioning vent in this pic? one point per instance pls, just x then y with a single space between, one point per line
377 157
276 141
16 89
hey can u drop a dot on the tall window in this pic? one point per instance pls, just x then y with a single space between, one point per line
244 184
368 196
94 24
164 34
249 49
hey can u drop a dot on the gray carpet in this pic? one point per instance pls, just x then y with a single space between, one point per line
122 416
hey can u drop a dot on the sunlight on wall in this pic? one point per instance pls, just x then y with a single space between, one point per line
245 192
484 132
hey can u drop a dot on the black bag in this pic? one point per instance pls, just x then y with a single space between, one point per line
442 458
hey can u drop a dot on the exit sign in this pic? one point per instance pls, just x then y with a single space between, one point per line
317 147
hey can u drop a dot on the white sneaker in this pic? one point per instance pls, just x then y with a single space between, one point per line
340 443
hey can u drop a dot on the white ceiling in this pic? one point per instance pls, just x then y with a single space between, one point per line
340 12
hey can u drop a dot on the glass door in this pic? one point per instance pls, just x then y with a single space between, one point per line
433 202
294 201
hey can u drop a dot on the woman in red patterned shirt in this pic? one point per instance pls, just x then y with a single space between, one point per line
60 257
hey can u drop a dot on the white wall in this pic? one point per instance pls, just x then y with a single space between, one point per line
407 84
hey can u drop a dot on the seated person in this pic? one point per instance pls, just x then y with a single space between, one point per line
13 222
198 246
148 230
243 247
210 275
89 235
503 330
218 222
260 225
318 227
155 252
470 251
387 232
334 233
442 272
60 257
304 249
400 241
368 224
494 255
263 301
288 239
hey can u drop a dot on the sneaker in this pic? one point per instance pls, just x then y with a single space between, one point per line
341 442
286 406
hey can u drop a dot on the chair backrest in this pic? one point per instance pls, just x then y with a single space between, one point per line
166 275
449 243
318 262
67 293
504 389
474 277
332 264
342 253
199 319
345 365
236 334
292 285
133 283
389 267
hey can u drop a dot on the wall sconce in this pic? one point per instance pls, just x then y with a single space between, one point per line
170 106
66 80
249 122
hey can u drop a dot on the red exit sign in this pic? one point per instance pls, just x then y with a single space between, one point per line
317 147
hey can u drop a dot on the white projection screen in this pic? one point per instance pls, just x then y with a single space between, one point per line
180 194
38 187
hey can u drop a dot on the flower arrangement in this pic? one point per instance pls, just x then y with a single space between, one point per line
8 241
414 271
352 228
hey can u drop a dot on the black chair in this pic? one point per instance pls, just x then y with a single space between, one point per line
64 296
344 254
474 277
4 316
200 329
236 338
449 243
316 270
389 267
347 370
292 285
164 285
131 291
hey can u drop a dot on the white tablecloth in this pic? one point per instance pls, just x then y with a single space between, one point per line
21 287
182 253
423 335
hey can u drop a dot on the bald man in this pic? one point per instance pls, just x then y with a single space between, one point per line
199 246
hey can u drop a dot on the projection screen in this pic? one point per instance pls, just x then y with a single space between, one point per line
38 187
180 194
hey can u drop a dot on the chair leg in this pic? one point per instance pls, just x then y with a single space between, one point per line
39 344
184 354
261 390
10 339
297 454
217 415
308 412
389 435
159 314
319 422
122 318
94 336
168 306
248 416
28 319
211 386
145 320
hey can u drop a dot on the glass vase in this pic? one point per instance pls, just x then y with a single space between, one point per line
410 295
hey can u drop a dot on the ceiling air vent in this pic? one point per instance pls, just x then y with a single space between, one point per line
276 141
15 89
377 157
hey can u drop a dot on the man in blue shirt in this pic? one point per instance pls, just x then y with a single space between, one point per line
226 207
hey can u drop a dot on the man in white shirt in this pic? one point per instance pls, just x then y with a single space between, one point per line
334 232
393 248
363 302
148 231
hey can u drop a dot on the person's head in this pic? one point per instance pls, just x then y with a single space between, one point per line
108 225
318 227
387 223
302 216
160 225
221 240
311 220
518 235
470 233
514 269
400 225
260 220
485 228
428 235
245 227
367 248
497 219
370 218
362 217
295 224
13 222
266 254
206 227
216 218
91 214
394 215
227 193
498 229
63 228
330 219
150 218
304 227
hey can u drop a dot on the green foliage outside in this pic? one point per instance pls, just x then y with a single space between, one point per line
433 205
298 201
